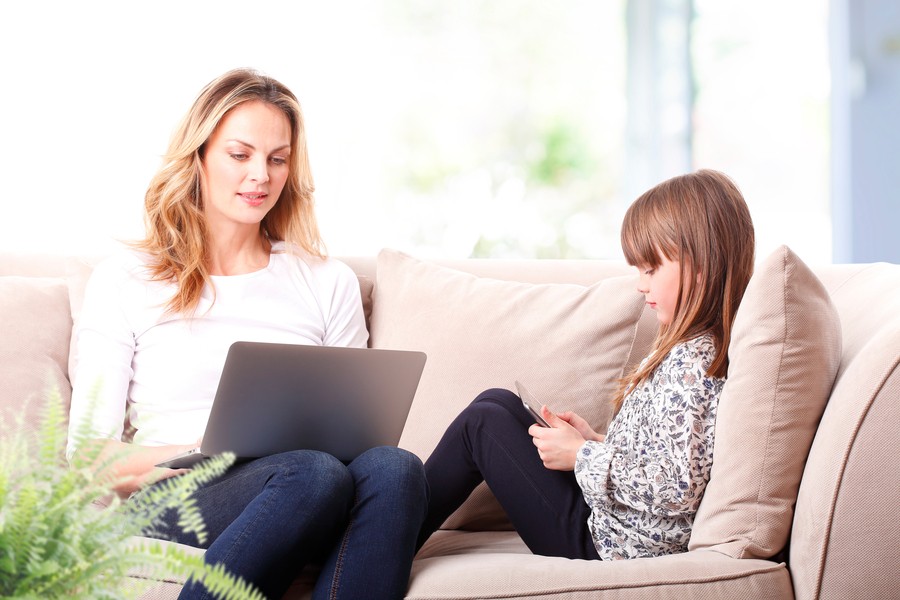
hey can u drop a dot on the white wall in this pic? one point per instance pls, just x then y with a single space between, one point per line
93 89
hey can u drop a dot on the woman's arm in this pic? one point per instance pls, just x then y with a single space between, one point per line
103 351
346 324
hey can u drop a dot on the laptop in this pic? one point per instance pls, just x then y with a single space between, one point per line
275 398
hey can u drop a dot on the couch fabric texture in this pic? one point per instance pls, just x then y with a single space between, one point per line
805 455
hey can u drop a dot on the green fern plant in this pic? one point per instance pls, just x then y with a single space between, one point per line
55 542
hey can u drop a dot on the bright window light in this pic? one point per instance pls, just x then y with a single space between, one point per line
455 129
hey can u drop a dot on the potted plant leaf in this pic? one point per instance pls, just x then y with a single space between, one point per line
56 542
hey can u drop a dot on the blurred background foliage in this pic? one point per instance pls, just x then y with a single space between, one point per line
510 140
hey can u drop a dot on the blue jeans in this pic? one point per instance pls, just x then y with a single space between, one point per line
489 442
268 518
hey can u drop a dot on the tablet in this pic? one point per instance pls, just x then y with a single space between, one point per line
531 404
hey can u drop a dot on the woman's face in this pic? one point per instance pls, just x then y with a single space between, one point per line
245 166
659 285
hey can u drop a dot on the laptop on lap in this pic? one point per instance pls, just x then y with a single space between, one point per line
274 398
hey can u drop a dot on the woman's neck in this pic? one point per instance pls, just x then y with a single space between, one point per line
237 254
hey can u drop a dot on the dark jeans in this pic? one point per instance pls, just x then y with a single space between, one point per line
489 441
269 517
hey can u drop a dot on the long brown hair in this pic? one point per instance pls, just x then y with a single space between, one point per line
702 221
176 232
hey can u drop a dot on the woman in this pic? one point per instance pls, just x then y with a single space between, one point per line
233 252
633 492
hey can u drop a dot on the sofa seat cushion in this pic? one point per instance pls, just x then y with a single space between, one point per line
569 344
784 355
148 586
462 564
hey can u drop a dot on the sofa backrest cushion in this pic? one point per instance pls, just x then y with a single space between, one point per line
568 343
784 355
35 324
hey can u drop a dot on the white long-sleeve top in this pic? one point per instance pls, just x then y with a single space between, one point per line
164 368
644 482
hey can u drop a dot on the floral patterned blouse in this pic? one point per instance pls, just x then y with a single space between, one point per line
645 481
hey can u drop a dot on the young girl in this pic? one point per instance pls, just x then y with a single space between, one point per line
634 492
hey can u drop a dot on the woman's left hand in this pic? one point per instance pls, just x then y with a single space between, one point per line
558 444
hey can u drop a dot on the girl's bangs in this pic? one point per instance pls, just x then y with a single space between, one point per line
645 236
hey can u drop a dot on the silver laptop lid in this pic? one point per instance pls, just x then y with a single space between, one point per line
278 397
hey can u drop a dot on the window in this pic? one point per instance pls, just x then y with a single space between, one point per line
761 114
504 128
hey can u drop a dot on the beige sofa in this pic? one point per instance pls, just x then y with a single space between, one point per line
803 500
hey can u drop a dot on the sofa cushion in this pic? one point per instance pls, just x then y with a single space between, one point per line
568 343
35 321
458 565
784 355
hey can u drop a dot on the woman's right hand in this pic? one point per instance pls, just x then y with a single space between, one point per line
132 467
581 426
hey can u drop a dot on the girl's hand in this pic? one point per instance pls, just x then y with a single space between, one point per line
582 426
558 444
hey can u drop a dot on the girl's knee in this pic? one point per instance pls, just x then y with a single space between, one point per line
494 410
497 396
495 403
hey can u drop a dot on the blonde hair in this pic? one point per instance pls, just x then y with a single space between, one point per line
702 221
176 231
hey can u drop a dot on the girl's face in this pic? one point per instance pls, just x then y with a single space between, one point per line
659 285
245 166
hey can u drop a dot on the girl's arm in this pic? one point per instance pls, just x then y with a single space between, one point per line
658 461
